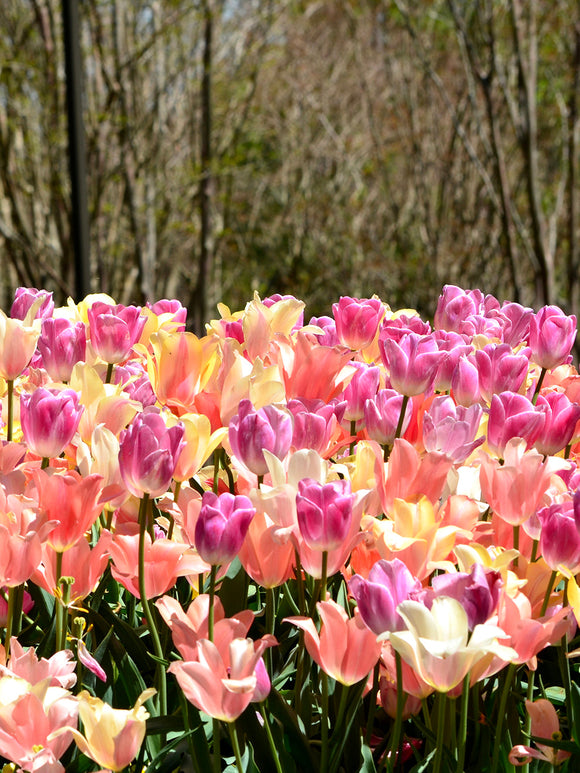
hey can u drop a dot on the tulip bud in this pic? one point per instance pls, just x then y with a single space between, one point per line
552 336
221 526
382 414
61 345
251 431
49 419
512 415
114 330
357 321
324 512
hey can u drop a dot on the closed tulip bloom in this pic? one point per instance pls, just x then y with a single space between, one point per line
171 312
345 649
412 362
561 419
148 454
61 345
552 336
465 382
382 413
559 537
515 320
112 737
314 423
451 429
49 419
324 512
26 297
357 321
388 583
114 330
454 306
17 345
221 526
512 415
253 431
363 386
500 369
455 346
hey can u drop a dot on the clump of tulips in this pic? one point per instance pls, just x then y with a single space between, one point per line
344 544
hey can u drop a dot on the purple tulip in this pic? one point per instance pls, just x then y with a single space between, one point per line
251 432
49 419
389 583
363 386
114 330
61 345
324 512
560 538
25 297
478 592
451 429
221 526
552 336
314 423
148 453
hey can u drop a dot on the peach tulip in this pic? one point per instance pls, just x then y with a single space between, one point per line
544 724
59 669
17 344
112 737
266 556
345 649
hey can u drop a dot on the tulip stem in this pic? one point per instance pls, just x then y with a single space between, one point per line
210 613
270 620
516 540
109 375
10 397
235 745
59 606
373 703
324 577
158 649
45 462
402 416
508 679
397 737
324 723
353 435
539 385
565 665
217 757
271 743
441 709
216 471
462 740
548 593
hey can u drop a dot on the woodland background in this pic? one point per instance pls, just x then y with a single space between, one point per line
320 148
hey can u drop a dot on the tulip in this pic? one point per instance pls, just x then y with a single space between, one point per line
200 443
114 330
500 369
544 724
148 454
559 538
382 413
17 344
454 306
478 592
452 429
397 326
49 419
512 415
438 645
222 681
135 380
389 583
266 557
412 363
324 513
59 669
345 649
357 321
552 335
455 346
251 432
465 382
112 737
26 297
561 418
329 336
221 526
515 320
362 387
314 423
61 345
170 311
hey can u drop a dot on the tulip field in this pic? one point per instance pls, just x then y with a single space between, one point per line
344 543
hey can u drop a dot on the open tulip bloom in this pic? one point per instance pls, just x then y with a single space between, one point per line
346 544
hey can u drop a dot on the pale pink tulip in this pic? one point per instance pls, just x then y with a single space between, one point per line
544 724
59 669
357 321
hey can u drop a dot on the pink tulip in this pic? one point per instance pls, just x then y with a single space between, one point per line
148 453
357 321
17 345
388 583
515 320
49 419
561 419
456 305
314 423
382 413
221 526
172 309
500 369
544 724
61 345
345 648
59 669
455 346
363 386
136 383
27 603
72 502
222 681
397 327
324 512
510 416
114 330
266 557
451 429
25 297
252 431
329 337
411 363
552 336
478 592
559 538
465 382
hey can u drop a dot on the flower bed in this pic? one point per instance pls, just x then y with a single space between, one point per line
348 544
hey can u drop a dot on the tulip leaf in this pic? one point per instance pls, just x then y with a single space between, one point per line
294 739
368 764
575 724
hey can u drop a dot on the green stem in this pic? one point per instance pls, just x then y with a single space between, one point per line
373 703
462 740
158 649
548 593
516 533
324 724
402 416
10 421
534 556
565 666
217 757
211 611
216 470
324 578
45 462
397 737
270 620
508 679
59 606
528 722
271 743
353 435
235 745
539 386
109 375
441 708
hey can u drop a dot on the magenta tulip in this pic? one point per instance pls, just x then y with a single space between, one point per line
451 429
324 513
357 321
25 297
148 453
363 386
412 362
221 526
561 419
512 415
114 330
552 336
61 345
500 370
559 538
314 423
49 419
478 592
251 432
382 413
